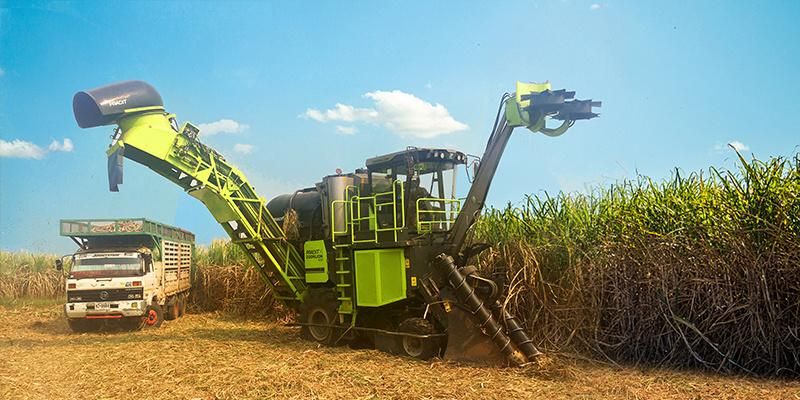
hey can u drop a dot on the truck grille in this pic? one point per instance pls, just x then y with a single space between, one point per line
105 294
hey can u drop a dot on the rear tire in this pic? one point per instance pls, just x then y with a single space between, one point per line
423 349
182 300
80 325
173 309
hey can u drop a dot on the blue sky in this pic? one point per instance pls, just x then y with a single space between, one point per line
678 81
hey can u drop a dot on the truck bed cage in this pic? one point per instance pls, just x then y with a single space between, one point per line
84 228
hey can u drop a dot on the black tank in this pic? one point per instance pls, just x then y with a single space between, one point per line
308 206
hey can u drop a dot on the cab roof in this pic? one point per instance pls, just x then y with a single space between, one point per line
416 155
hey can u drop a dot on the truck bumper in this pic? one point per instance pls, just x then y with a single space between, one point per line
109 309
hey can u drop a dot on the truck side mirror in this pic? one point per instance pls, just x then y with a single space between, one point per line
59 265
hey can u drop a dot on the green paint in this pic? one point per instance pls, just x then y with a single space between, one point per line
148 138
380 277
316 258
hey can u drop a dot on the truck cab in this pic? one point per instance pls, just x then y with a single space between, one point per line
134 273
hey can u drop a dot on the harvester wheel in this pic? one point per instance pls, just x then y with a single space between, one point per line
320 309
153 316
415 347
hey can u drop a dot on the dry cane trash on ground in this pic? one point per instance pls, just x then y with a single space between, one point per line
217 356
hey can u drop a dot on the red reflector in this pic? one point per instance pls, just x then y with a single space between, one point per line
71 286
136 283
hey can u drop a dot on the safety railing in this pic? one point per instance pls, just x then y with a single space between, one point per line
435 214
369 209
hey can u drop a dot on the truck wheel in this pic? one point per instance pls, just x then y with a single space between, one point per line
80 325
173 308
420 348
182 300
320 308
153 316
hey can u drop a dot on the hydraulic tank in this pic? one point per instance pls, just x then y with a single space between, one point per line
337 190
307 204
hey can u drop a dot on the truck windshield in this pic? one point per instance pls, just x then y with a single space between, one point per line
116 264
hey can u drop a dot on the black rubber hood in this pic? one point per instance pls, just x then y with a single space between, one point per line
104 105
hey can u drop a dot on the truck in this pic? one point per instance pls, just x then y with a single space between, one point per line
131 272
380 255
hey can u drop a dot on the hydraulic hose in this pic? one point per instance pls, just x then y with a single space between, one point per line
480 313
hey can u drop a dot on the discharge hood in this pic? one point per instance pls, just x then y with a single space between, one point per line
106 104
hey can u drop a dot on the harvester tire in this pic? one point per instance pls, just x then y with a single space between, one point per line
423 349
320 308
81 325
173 309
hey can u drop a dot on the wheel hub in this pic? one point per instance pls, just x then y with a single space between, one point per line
319 333
412 346
152 317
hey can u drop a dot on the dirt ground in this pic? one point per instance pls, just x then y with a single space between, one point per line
210 356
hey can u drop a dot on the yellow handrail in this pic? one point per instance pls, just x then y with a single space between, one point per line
426 225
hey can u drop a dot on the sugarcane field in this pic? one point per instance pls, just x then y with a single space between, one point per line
306 200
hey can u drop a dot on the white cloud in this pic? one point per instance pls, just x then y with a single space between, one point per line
243 148
737 145
21 149
400 112
346 130
222 126
595 6
66 146
342 112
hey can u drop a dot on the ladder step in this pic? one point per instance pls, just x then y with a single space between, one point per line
343 272
343 285
342 258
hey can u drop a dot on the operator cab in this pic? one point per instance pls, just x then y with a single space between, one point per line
417 186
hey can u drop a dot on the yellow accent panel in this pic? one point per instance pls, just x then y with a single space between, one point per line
528 88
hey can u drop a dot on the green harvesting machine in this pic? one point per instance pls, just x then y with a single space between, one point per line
378 255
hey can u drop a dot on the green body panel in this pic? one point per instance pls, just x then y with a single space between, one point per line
380 276
316 257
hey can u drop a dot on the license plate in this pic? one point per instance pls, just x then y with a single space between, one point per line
101 306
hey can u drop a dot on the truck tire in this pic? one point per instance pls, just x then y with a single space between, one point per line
182 300
173 308
420 348
80 325
153 316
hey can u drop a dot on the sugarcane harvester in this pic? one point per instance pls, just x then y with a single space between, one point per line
377 255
